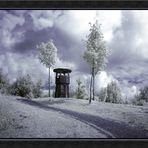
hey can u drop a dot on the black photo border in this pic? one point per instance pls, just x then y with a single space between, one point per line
75 5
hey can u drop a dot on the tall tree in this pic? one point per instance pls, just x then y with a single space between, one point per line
96 54
47 55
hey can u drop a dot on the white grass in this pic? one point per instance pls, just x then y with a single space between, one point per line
27 121
22 120
130 114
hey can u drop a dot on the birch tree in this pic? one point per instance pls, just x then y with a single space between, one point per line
47 56
96 54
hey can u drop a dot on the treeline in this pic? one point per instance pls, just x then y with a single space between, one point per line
111 93
23 86
141 97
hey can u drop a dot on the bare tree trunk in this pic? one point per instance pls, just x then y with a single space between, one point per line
90 88
49 81
93 75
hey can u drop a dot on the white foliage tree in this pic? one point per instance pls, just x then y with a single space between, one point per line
113 93
4 82
47 55
22 87
81 92
96 53
102 94
37 89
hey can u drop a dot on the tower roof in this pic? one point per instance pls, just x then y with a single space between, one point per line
62 70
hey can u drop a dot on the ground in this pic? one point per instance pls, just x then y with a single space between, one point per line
70 118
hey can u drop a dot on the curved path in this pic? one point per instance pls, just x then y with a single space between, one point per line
108 127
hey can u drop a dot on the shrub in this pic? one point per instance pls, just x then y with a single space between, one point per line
81 90
22 87
138 102
37 89
4 83
113 93
102 94
144 94
25 87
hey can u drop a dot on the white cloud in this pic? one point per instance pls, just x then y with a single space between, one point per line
15 64
129 93
63 64
109 20
76 22
44 19
8 22
102 80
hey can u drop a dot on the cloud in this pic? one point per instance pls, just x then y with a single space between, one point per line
8 23
125 33
102 80
44 19
129 48
15 65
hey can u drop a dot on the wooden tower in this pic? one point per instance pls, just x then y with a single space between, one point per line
62 81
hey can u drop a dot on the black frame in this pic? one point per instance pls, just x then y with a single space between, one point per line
66 5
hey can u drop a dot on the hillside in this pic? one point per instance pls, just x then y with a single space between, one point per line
64 118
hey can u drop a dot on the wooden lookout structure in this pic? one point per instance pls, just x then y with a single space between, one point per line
62 81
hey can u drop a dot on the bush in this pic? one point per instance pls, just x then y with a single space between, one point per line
142 97
4 83
72 94
102 94
81 92
37 89
138 102
23 87
144 94
113 93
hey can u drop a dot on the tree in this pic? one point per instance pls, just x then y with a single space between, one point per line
103 94
4 82
37 89
81 90
113 93
47 55
96 53
22 87
143 95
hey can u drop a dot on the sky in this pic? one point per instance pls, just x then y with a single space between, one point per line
125 33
